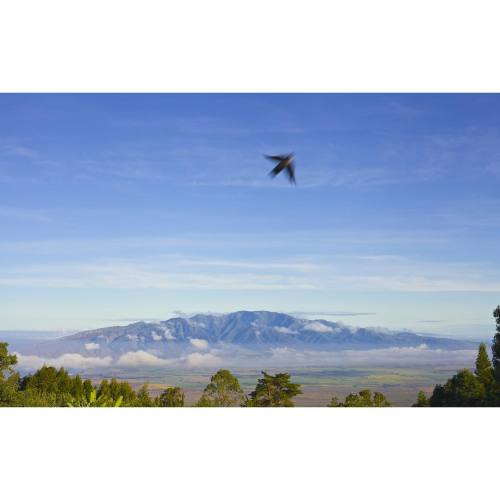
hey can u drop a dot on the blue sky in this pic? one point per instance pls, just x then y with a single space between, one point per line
115 208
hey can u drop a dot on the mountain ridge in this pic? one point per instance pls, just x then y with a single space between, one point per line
254 330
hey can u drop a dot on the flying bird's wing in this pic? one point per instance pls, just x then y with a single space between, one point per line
278 168
290 170
275 158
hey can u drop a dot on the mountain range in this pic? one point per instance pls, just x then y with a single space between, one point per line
249 331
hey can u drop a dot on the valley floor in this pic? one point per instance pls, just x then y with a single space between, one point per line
319 385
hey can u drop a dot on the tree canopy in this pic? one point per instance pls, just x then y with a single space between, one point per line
274 390
496 345
481 388
463 389
223 390
7 361
172 397
484 368
363 398
422 400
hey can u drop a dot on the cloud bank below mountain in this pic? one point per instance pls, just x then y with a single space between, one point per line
280 357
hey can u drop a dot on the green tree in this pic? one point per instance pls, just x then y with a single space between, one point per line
64 381
104 389
143 398
37 398
87 388
7 361
496 345
9 391
120 389
127 393
379 400
172 397
9 379
363 398
463 389
422 400
484 369
77 387
274 390
48 386
223 390
114 388
45 379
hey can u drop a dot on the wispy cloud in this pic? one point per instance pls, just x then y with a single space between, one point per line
417 283
141 275
336 272
331 313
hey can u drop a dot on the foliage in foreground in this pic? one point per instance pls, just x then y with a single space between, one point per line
223 390
274 390
95 401
172 397
481 388
49 386
362 399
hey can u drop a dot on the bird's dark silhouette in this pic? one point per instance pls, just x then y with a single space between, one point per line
285 162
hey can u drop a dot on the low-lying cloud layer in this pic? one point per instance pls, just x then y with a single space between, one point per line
276 357
69 360
389 357
138 359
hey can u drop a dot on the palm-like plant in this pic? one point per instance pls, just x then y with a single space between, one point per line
94 401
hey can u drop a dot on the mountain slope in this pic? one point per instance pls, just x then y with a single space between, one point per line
249 330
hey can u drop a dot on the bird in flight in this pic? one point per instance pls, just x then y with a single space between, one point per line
285 162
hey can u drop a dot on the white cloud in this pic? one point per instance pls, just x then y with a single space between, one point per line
132 337
91 346
199 344
390 357
284 329
167 334
69 360
318 327
199 360
141 358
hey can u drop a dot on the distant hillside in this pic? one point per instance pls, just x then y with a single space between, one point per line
249 330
